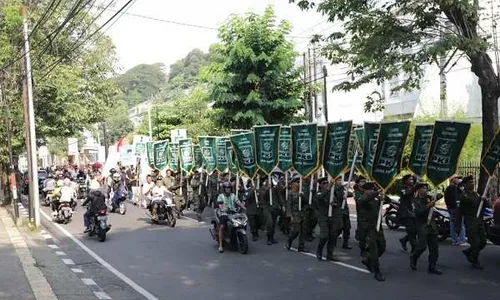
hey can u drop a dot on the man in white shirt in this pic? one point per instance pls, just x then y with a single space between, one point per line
146 191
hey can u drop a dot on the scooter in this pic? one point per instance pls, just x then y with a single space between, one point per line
164 210
235 235
64 213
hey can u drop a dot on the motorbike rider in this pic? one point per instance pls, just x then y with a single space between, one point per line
226 203
96 202
65 194
109 179
49 184
158 192
146 190
118 188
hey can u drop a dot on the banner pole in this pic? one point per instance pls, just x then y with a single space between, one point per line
237 184
330 206
286 185
431 210
270 183
181 183
349 180
485 192
311 184
201 182
300 192
255 192
380 212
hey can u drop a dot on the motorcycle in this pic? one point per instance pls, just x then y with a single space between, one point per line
99 225
164 211
64 213
82 190
442 219
49 197
391 214
120 203
235 235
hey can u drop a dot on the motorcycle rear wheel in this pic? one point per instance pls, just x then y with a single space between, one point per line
391 220
171 219
242 240
101 234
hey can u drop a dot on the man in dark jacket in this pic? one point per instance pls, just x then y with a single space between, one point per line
96 202
451 197
406 214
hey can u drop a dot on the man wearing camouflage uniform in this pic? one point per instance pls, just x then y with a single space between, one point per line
474 225
361 229
252 210
199 192
269 211
296 216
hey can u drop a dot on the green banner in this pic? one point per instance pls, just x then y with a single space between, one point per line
173 157
492 156
353 146
198 158
239 131
338 137
160 157
151 154
186 155
448 139
231 159
267 146
369 145
389 152
244 148
140 149
285 149
321 142
207 145
221 155
359 134
305 152
420 149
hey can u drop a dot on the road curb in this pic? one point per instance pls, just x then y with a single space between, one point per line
39 284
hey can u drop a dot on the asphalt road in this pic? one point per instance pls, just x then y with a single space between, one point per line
182 263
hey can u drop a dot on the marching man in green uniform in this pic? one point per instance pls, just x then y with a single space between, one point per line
406 214
270 210
361 229
474 225
199 193
298 221
329 227
370 201
427 235
252 210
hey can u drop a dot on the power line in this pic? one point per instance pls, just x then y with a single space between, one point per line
56 63
45 16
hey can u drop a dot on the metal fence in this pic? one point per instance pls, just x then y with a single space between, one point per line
473 168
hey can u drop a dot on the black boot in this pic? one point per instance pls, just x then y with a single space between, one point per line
269 239
413 262
466 252
255 237
378 275
319 250
301 248
366 263
433 269
288 244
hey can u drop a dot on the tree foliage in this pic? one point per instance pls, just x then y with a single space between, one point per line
384 40
118 123
253 76
140 83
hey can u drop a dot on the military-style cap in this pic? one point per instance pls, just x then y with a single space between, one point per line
406 177
421 185
322 179
468 178
360 177
368 186
295 179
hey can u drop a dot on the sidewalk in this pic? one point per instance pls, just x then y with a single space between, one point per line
20 277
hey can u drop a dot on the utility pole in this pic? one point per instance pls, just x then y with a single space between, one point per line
317 115
306 84
30 124
309 82
105 138
325 93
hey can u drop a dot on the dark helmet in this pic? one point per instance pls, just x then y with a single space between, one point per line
113 170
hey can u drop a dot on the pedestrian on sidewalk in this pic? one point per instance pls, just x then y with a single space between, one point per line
451 198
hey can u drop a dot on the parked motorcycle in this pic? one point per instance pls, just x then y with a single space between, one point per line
99 225
164 210
235 235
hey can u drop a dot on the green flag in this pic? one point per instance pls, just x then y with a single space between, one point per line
186 155
285 149
420 149
207 145
198 158
335 158
389 152
160 155
140 149
173 157
221 155
448 139
266 146
231 161
369 145
354 145
238 131
244 148
321 142
305 152
359 134
151 154
492 156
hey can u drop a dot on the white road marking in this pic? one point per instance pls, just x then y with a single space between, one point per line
336 262
77 270
102 295
88 281
47 236
60 253
51 246
68 261
104 263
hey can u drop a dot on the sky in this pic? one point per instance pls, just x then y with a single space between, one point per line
140 40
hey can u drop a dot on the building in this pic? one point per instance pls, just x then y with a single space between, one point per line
136 113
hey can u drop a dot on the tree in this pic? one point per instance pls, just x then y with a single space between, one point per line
141 82
252 75
382 39
118 123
